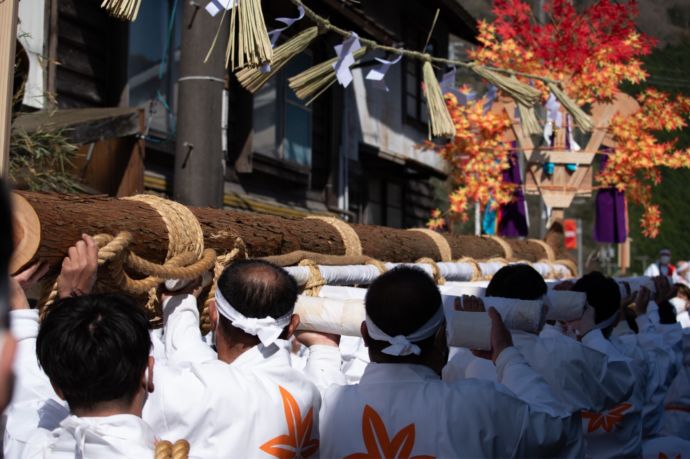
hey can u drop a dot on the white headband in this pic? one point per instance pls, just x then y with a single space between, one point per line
404 345
608 322
266 329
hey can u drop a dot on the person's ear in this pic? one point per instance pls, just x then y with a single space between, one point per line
57 391
365 333
213 314
148 374
292 326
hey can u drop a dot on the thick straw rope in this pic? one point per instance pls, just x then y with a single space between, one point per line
550 254
166 450
353 245
184 231
435 270
507 249
315 281
570 264
239 251
476 270
441 242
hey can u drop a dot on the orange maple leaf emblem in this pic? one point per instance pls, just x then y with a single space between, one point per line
376 440
605 421
663 456
298 442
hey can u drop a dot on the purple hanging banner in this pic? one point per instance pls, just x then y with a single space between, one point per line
513 216
611 218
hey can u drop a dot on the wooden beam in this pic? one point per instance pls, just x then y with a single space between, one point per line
8 39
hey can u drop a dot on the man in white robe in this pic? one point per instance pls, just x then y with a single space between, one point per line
581 376
77 346
245 400
95 350
401 408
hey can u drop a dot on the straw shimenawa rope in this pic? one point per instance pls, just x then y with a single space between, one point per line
476 269
441 242
353 245
166 450
548 250
125 10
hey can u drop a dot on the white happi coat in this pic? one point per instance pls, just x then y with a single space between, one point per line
677 404
405 410
256 407
122 436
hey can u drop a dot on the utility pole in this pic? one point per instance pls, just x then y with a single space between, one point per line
199 177
8 39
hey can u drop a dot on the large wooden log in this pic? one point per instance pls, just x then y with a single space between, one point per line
48 223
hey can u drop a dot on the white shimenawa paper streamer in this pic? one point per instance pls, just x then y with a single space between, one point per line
404 344
377 75
554 117
267 329
216 6
274 34
346 59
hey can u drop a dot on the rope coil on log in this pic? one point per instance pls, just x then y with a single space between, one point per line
166 450
222 261
381 266
435 270
441 243
548 250
315 281
476 270
353 246
507 249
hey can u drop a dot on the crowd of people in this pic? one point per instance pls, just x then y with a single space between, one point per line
92 380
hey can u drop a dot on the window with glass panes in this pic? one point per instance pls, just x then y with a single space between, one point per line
414 101
282 123
384 203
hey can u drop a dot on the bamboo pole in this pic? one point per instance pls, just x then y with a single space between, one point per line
8 39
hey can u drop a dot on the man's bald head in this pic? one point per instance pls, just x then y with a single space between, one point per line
258 288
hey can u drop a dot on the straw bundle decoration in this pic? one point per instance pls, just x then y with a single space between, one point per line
249 43
440 122
253 79
125 10
311 83
521 92
582 119
528 120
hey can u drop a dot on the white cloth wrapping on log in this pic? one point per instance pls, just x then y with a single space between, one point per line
566 305
528 316
365 274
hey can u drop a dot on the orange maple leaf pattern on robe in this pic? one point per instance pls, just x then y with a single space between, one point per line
606 421
377 442
298 442
663 456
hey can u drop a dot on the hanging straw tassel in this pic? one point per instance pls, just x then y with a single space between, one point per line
311 83
253 79
252 46
441 123
582 119
522 93
125 10
528 120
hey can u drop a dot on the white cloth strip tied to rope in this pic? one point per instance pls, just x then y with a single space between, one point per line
267 329
401 345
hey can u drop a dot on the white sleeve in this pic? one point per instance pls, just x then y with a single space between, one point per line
595 340
456 367
585 379
513 372
662 366
31 382
182 336
323 367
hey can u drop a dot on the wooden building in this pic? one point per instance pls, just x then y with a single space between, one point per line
353 152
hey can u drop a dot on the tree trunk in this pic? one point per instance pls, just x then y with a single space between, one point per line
64 218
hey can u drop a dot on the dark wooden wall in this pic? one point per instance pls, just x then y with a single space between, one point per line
91 54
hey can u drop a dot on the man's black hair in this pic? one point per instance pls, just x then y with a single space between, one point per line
602 292
667 312
95 348
519 281
401 300
257 288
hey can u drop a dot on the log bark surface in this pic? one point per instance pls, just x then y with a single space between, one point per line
64 218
